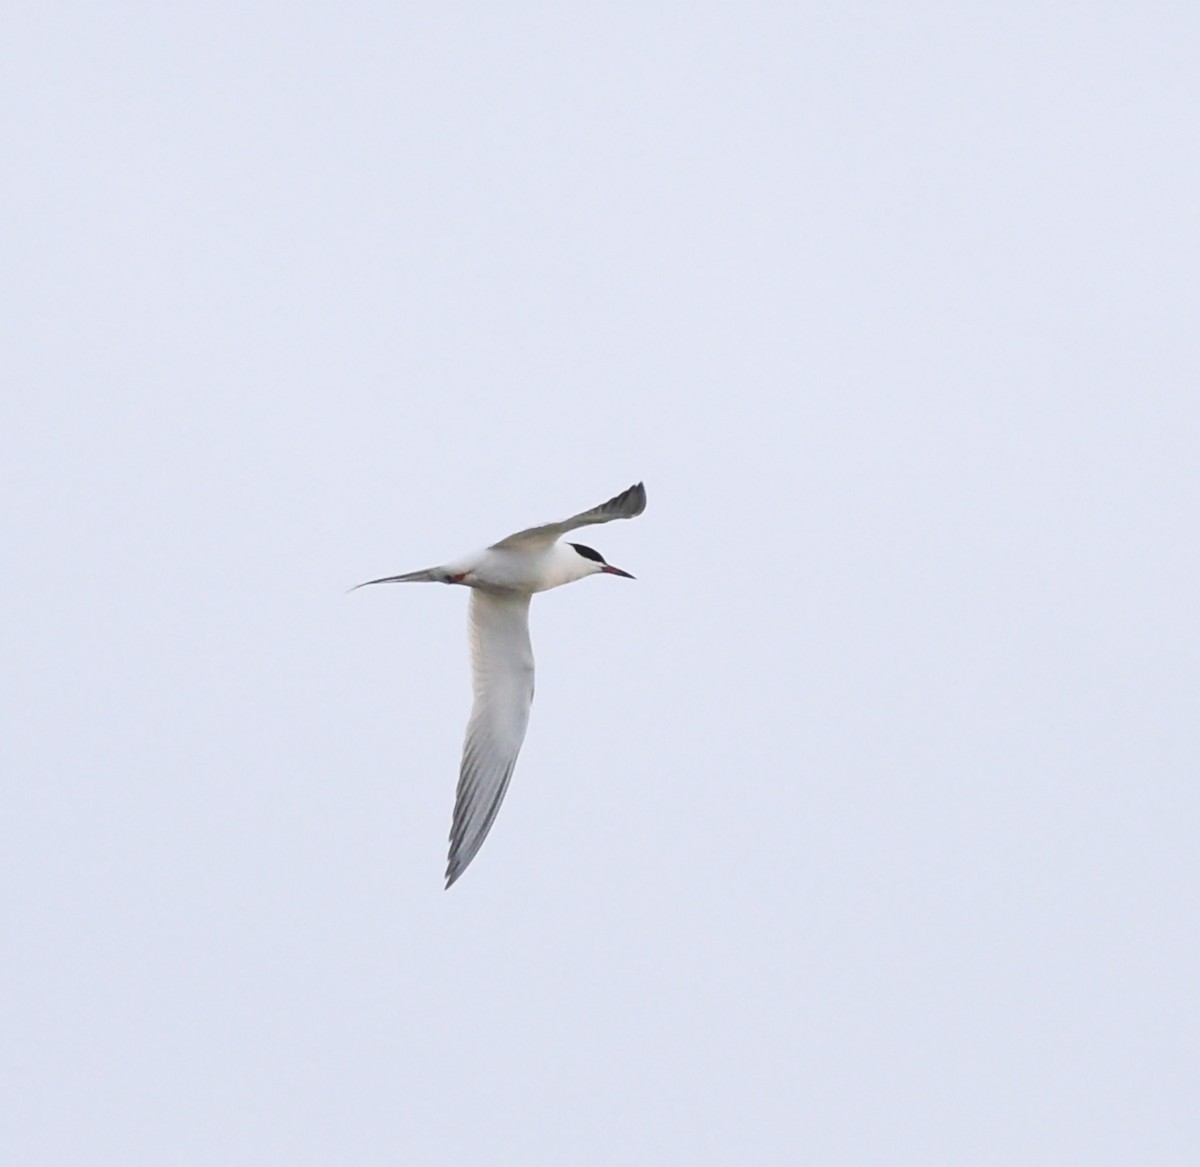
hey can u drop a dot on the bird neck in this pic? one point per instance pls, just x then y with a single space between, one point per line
563 565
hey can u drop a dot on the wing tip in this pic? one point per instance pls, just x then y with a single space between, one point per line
455 863
632 501
454 867
458 861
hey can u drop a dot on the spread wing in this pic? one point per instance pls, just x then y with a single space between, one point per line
625 505
502 665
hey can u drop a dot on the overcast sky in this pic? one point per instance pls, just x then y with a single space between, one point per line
861 829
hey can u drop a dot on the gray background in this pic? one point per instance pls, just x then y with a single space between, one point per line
861 829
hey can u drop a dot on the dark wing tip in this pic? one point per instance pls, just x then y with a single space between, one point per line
455 864
631 502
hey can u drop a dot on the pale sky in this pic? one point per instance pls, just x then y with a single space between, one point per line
860 830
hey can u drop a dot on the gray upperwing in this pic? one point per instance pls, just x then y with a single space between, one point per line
626 505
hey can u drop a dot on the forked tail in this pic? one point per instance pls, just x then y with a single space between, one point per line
429 575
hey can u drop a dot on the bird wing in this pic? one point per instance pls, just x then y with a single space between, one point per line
625 505
502 666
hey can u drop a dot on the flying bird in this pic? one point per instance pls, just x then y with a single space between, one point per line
502 580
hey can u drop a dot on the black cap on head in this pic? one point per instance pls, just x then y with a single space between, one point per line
588 552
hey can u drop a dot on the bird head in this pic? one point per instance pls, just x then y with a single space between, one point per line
595 561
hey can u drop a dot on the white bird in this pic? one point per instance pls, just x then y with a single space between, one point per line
503 578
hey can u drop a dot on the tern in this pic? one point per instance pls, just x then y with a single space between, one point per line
503 579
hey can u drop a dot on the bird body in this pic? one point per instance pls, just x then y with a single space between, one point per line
531 569
503 578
